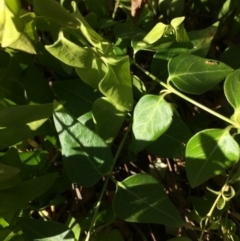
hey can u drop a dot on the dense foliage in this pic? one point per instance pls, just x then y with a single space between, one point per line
119 120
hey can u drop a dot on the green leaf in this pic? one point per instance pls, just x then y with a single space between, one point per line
232 89
37 91
7 172
117 83
20 122
29 163
152 117
13 26
208 154
33 188
201 39
70 53
55 12
140 198
108 119
86 156
196 75
172 143
45 230
77 97
155 34
181 34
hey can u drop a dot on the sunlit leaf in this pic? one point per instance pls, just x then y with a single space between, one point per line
196 75
208 154
117 83
152 117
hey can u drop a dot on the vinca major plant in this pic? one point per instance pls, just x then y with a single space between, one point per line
114 118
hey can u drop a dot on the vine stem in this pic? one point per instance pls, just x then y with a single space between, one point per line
176 92
115 8
93 222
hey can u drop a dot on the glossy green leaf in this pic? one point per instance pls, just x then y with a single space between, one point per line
172 143
44 230
55 12
181 34
117 83
208 154
232 89
140 198
77 97
86 156
108 119
156 33
196 75
152 117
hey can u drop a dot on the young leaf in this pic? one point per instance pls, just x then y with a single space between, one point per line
44 230
208 154
181 34
140 198
196 75
108 119
117 83
155 34
152 117
86 157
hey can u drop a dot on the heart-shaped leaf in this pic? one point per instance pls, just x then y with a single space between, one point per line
196 75
86 156
208 154
117 83
152 117
140 198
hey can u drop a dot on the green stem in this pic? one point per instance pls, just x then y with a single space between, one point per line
94 219
172 90
115 8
